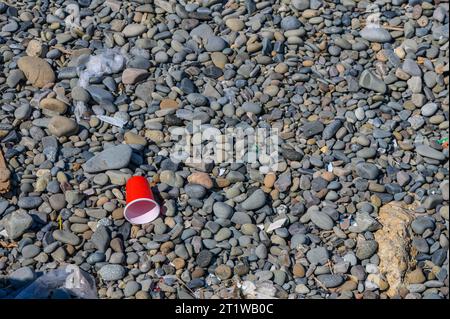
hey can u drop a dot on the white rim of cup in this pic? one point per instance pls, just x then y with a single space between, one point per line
142 200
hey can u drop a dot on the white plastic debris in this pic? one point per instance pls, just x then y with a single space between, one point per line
112 120
108 62
71 279
276 224
330 167
260 290
373 31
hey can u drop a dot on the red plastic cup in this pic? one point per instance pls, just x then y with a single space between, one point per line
141 206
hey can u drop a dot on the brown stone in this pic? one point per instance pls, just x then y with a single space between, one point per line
53 105
349 285
269 180
87 234
142 295
298 271
117 213
5 175
222 182
223 272
133 75
34 48
166 247
168 104
201 179
132 138
116 244
219 59
62 126
415 277
235 24
37 71
198 272
178 263
155 136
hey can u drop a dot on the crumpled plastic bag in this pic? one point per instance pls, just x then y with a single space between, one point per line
107 62
258 290
70 279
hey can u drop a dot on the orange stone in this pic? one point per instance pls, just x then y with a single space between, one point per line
298 270
340 68
269 180
178 263
201 179
222 182
166 247
328 176
168 104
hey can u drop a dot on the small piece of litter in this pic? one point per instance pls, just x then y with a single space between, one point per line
112 120
276 224
330 167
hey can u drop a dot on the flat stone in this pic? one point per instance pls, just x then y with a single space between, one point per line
219 59
331 281
201 178
133 30
204 258
222 210
255 201
14 77
53 105
367 170
318 256
17 223
290 23
429 109
312 128
422 223
251 107
235 24
321 220
62 126
215 44
29 202
195 191
112 272
66 237
370 81
101 238
100 95
115 157
428 151
37 71
366 248
133 75
30 251
374 34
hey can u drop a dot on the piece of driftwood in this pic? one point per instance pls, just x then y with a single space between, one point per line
394 244
5 174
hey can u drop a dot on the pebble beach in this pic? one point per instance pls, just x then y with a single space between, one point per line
352 204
